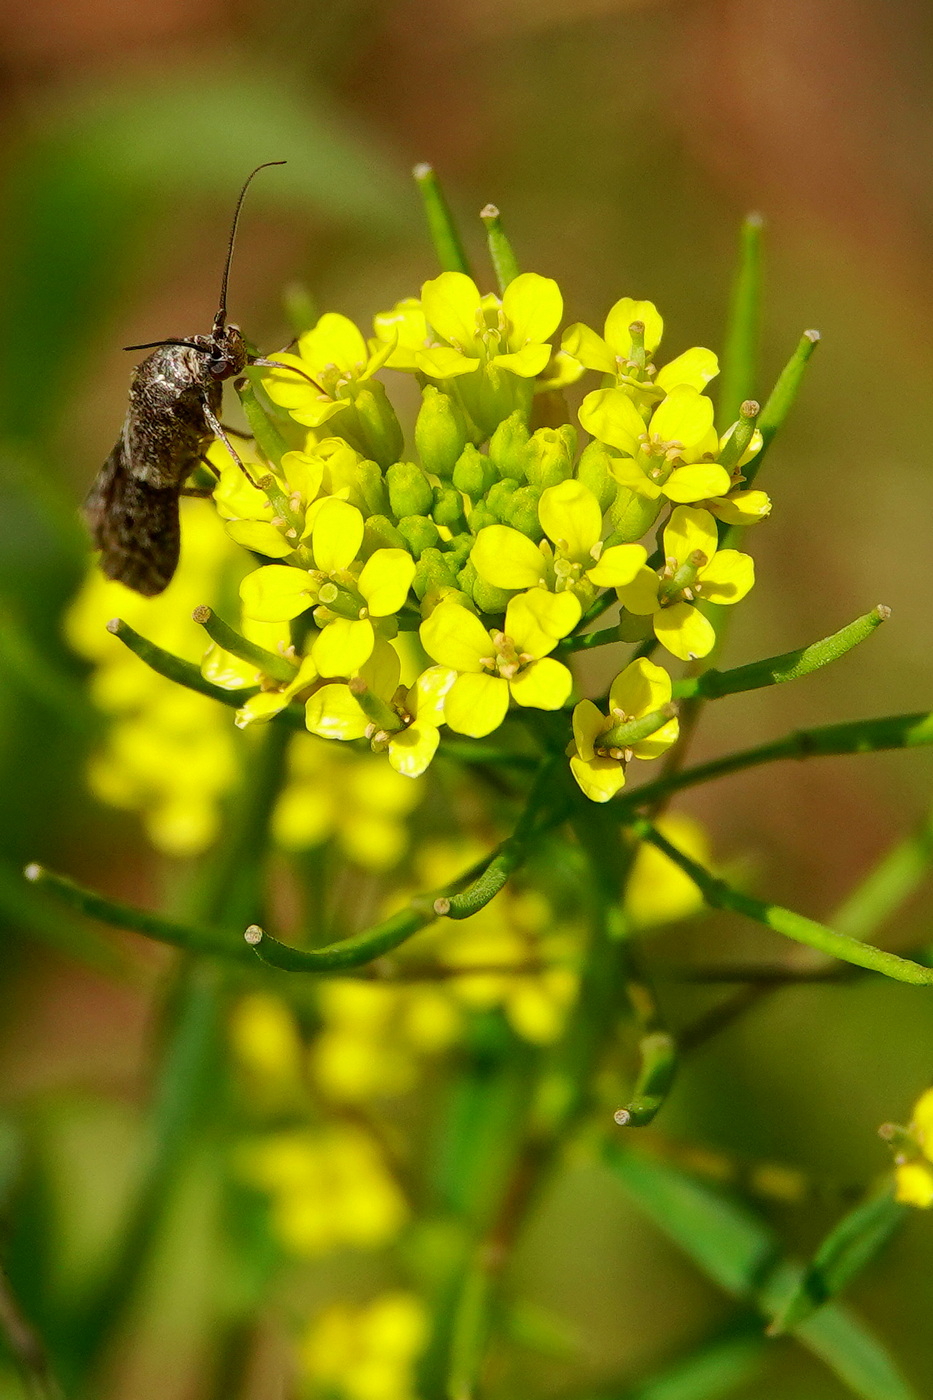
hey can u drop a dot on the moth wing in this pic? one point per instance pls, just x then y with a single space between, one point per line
134 525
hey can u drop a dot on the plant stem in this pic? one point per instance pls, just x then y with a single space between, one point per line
740 358
444 233
501 252
173 668
280 668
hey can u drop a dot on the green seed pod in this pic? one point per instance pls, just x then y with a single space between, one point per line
593 471
448 508
507 447
490 599
440 432
419 534
548 460
498 497
433 571
372 488
473 473
379 426
410 492
521 512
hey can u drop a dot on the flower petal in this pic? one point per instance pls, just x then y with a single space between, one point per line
444 362
382 669
729 577
334 341
685 416
533 305
658 742
276 593
640 688
610 416
343 646
477 704
411 750
537 620
685 632
695 367
527 362
262 537
687 531
599 779
337 535
334 713
427 696
641 595
742 507
450 303
544 685
588 723
621 317
696 483
507 558
385 580
589 348
455 637
571 517
617 565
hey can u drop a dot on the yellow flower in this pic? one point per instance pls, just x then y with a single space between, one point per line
353 1352
658 891
694 568
570 516
600 753
627 356
914 1172
492 666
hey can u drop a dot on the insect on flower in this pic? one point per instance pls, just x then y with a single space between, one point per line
173 415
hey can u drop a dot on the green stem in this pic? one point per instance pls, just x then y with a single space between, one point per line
740 357
781 400
173 668
790 666
825 940
585 641
441 226
269 440
208 942
280 668
500 249
858 736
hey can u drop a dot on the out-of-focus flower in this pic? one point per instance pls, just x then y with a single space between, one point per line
366 1352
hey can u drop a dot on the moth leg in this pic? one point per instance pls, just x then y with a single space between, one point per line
218 429
237 432
204 492
289 369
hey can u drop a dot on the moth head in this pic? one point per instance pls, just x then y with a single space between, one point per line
228 354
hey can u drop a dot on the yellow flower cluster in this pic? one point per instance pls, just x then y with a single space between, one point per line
914 1156
366 1352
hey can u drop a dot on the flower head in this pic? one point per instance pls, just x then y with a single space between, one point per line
639 725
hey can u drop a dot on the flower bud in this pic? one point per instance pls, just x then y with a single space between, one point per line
521 512
457 550
474 473
410 492
379 426
481 517
490 599
632 514
593 471
372 488
440 432
507 447
419 534
448 508
380 533
434 571
548 459
498 497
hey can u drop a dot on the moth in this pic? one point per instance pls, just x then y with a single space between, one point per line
132 508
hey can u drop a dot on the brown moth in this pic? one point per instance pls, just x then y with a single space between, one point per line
173 417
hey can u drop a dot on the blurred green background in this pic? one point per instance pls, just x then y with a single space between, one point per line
623 140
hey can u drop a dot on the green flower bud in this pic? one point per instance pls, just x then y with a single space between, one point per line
419 534
448 508
433 571
479 518
548 460
632 515
507 446
458 549
593 471
473 473
410 492
379 426
498 497
372 488
380 533
490 599
521 512
440 432
467 577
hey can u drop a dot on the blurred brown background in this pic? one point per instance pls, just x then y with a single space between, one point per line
623 140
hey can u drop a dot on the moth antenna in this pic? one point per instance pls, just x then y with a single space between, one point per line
220 319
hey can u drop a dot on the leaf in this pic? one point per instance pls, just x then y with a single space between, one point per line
710 1372
740 1253
847 1249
